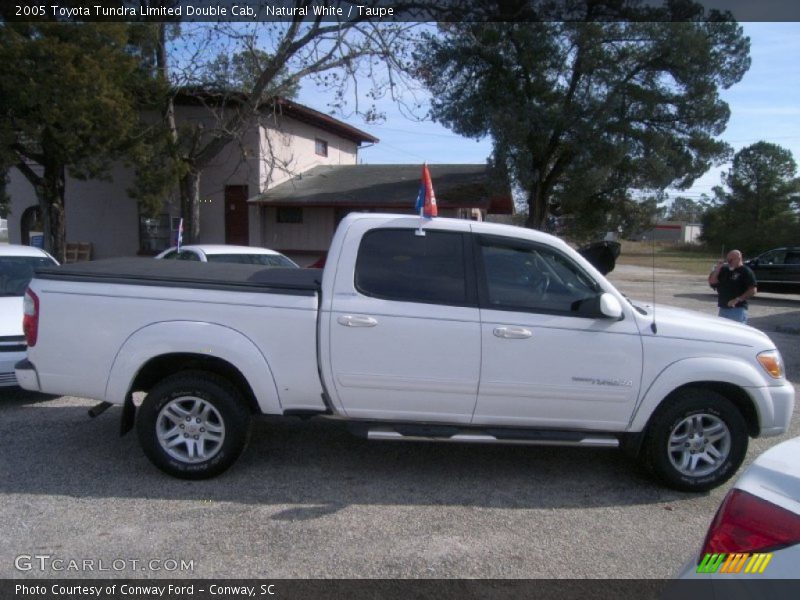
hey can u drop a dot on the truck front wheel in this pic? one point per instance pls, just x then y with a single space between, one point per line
696 441
193 425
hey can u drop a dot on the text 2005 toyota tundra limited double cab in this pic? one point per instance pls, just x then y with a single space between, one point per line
472 332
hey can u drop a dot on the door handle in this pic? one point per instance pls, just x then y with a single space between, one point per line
513 333
357 321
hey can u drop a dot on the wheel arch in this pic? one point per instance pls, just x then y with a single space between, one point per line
632 442
733 393
729 378
160 367
162 349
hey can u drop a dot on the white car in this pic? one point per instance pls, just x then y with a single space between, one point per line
756 531
16 270
220 253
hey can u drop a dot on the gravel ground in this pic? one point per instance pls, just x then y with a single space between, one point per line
309 500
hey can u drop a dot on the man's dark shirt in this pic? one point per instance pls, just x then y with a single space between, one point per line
733 283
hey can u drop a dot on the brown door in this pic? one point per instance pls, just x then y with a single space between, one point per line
237 229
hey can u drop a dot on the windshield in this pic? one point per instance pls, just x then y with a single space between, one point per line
16 273
267 260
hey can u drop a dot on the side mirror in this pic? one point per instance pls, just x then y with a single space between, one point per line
603 306
610 306
753 263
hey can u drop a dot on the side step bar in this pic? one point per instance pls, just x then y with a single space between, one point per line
519 437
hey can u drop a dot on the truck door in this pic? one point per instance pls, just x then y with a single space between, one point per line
545 364
404 331
771 270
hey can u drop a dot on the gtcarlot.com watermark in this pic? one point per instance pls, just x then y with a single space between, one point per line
47 563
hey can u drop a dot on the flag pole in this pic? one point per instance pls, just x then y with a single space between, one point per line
420 231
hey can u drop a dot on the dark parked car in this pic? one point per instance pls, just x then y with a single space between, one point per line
778 270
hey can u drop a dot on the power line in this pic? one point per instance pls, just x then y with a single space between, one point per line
426 134
396 149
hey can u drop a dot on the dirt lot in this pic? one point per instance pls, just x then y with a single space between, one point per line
309 500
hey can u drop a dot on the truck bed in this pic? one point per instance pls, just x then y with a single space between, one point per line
262 320
189 274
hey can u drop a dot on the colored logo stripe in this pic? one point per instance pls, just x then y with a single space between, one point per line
734 563
710 564
758 563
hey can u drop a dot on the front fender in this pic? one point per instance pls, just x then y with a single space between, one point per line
193 337
698 370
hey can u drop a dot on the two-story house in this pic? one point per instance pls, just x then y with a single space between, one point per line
285 185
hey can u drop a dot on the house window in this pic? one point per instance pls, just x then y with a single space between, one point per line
289 214
321 147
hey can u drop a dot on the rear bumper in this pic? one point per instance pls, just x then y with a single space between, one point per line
7 362
27 377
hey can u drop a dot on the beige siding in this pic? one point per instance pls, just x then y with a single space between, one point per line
99 212
236 164
313 234
288 148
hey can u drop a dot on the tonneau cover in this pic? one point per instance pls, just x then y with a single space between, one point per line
189 274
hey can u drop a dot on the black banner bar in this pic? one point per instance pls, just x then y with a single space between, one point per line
405 589
252 11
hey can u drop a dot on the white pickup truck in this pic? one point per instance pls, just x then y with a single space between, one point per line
472 332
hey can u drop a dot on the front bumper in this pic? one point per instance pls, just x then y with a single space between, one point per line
27 377
775 405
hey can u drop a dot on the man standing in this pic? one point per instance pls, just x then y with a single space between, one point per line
735 284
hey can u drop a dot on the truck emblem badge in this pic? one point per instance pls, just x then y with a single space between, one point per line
610 382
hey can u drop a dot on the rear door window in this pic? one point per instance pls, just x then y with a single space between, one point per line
397 264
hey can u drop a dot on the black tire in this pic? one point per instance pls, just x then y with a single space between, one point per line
221 425
715 442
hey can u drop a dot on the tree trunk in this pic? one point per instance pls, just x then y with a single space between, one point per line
58 224
5 201
163 75
537 207
44 215
190 206
51 201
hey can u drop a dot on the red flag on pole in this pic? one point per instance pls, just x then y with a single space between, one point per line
426 199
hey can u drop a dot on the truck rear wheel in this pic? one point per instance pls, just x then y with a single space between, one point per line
193 425
697 441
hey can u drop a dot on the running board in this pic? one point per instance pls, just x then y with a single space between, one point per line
519 437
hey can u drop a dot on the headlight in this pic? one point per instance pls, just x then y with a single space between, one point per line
772 362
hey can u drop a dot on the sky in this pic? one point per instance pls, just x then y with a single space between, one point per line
765 105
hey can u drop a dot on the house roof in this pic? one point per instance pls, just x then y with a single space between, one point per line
279 106
390 186
321 120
